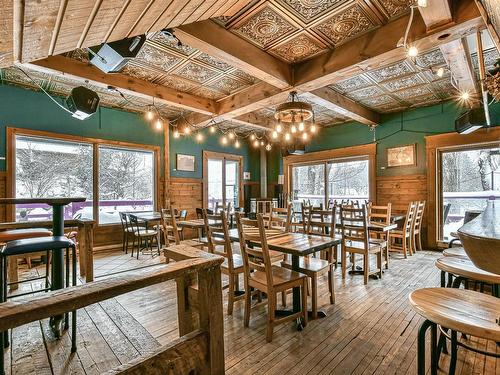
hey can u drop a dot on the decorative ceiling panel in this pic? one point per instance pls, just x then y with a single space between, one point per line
265 27
142 72
365 93
406 81
409 93
345 25
207 92
197 72
490 58
308 10
352 84
212 61
178 83
396 8
298 48
171 43
379 101
157 58
227 84
392 71
431 58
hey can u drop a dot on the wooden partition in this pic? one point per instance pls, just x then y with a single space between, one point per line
199 350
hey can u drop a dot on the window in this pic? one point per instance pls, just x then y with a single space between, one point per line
46 166
469 178
126 182
337 179
52 168
222 178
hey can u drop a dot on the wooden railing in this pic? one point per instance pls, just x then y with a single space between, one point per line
200 348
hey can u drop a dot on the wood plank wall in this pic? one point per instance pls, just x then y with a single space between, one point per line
3 194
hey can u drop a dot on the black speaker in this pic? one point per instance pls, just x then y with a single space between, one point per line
297 148
82 102
112 57
470 121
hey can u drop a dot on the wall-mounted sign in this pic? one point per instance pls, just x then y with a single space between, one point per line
402 156
246 175
185 162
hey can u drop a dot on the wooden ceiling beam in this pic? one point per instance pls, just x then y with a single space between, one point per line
334 101
437 13
457 55
215 40
491 29
127 84
378 48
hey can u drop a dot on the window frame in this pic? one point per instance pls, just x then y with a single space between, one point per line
95 143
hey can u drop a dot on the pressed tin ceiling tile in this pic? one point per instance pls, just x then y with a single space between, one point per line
142 72
392 71
171 43
351 84
297 48
196 72
396 7
212 61
227 84
403 82
310 10
410 93
157 58
366 92
431 58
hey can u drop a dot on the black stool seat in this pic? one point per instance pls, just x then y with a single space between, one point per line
37 244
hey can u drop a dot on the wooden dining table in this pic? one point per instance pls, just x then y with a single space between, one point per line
146 217
297 245
196 224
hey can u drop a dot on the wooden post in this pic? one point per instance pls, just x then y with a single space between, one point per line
166 165
211 315
86 249
185 313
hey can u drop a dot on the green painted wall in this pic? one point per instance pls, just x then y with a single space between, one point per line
211 142
396 129
28 109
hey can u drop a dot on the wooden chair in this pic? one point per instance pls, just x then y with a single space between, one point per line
220 244
416 237
322 223
404 234
143 235
380 214
168 228
355 240
266 277
127 231
281 218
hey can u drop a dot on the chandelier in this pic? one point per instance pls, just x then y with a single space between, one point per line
292 117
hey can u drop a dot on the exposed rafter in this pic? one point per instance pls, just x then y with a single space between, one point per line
213 39
135 86
436 14
457 56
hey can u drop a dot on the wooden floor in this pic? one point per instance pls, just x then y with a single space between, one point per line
370 330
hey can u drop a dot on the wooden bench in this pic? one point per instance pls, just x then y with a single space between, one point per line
199 350
85 239
465 311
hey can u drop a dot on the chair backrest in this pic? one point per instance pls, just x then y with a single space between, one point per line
134 223
419 214
318 221
124 221
380 214
199 213
354 226
264 206
253 259
281 217
410 217
218 235
183 214
169 226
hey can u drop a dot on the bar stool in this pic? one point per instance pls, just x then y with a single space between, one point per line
456 252
30 246
459 310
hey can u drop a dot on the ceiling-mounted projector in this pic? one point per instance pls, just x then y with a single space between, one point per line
82 102
112 57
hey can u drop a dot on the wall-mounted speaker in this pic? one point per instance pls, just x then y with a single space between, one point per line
82 102
470 121
112 57
297 148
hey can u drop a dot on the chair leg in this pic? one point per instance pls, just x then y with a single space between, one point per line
73 313
314 296
66 315
331 285
230 300
304 303
343 261
454 349
271 302
248 304
421 347
366 267
379 263
47 264
4 335
419 241
283 298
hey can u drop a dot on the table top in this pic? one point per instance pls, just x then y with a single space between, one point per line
50 201
298 244
193 223
146 216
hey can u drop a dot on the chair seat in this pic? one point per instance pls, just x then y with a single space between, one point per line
19 234
378 241
397 233
237 263
34 245
275 256
146 233
458 252
358 247
309 265
460 310
465 268
281 276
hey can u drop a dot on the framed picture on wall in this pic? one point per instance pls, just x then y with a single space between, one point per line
185 162
401 156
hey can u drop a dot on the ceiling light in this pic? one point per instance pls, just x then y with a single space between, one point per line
256 143
287 137
440 72
422 3
413 51
231 135
301 126
275 134
292 109
304 136
268 147
159 124
293 129
237 144
176 134
262 143
313 128
223 140
212 129
252 137
149 115
279 128
464 95
199 137
187 130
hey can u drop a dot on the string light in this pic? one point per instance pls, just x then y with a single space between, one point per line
287 137
262 143
237 144
176 134
301 126
256 143
313 128
275 134
223 140
413 51
199 137
279 128
268 147
440 72
293 129
231 135
252 137
212 129
187 130
159 124
464 95
149 114
304 136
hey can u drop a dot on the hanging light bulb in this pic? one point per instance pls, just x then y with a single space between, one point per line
287 137
212 129
199 137
223 140
268 147
176 133
256 143
149 114
464 95
275 134
422 3
279 128
301 126
293 129
440 72
305 136
187 130
237 144
158 124
262 143
413 51
313 128
252 137
231 135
